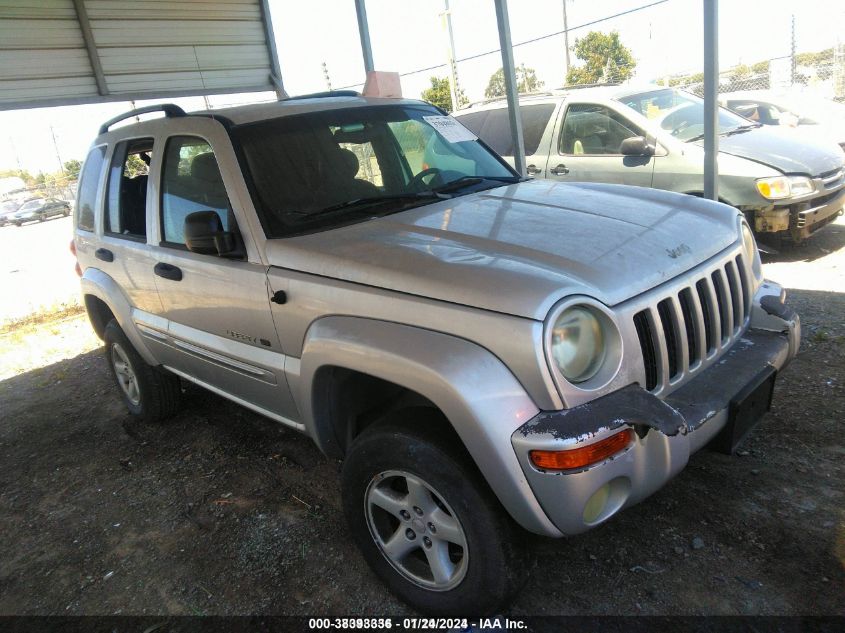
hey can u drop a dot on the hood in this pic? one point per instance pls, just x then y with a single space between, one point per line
520 248
784 150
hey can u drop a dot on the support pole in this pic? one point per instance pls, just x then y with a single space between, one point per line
364 33
270 39
711 90
453 72
511 91
91 47
565 41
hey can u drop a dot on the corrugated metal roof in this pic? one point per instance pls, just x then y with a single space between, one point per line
59 52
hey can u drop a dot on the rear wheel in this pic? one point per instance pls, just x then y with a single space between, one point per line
148 392
426 522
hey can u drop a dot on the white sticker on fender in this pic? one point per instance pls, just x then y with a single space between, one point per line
450 129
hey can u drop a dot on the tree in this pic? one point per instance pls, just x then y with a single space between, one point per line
526 81
440 94
605 59
135 166
72 168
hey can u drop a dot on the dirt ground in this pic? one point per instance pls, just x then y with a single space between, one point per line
220 511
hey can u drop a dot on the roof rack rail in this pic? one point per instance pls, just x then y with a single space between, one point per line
169 109
325 94
607 84
544 93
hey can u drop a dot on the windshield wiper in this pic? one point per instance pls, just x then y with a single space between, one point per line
737 130
468 181
364 203
742 128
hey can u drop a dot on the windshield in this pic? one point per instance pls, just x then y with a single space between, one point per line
325 169
32 204
680 113
8 206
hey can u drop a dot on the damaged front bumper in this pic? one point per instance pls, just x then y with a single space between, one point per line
722 404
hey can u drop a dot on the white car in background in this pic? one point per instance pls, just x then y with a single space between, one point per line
814 117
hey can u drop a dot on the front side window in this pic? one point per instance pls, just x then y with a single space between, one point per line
190 182
126 198
594 130
319 170
86 198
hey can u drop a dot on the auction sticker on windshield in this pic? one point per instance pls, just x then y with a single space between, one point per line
450 129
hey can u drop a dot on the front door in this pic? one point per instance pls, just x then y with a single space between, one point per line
219 324
588 148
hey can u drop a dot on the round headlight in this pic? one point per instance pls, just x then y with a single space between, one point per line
748 243
752 256
578 344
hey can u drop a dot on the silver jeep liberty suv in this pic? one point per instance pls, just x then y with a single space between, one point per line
486 355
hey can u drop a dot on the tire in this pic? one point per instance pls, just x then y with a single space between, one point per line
149 393
402 477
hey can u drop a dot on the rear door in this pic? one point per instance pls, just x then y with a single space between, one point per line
220 329
123 253
493 127
587 148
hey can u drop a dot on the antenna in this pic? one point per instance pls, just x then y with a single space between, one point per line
202 79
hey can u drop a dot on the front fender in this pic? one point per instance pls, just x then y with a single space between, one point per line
475 391
98 284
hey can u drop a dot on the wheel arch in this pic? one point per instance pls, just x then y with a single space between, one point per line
104 299
481 399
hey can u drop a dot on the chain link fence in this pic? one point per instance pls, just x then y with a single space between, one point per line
821 73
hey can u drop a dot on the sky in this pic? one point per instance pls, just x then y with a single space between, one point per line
408 35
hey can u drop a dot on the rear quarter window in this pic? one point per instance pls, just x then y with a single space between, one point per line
493 127
86 198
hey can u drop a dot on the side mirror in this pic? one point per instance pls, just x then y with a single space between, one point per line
636 146
204 234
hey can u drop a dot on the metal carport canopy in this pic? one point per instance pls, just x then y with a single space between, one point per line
62 52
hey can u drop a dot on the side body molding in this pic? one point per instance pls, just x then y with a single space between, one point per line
97 283
476 392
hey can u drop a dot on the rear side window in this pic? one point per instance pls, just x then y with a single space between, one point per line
126 201
86 198
190 182
493 127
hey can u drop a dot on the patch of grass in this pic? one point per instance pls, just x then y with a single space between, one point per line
820 336
48 314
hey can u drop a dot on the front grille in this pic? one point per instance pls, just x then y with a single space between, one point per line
680 330
832 179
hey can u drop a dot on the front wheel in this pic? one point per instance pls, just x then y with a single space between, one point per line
426 522
148 392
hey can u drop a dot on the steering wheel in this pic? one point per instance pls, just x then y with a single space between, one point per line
417 181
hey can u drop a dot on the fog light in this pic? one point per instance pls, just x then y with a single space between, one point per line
597 503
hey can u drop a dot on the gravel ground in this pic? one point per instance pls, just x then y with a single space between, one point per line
220 511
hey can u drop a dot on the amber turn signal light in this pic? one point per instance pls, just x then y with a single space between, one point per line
583 455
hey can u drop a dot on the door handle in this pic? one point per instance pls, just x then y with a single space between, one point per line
560 170
105 254
533 170
174 273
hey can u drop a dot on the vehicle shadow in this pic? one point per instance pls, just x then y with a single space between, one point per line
828 240
230 513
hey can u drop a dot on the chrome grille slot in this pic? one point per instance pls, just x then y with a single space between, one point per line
690 323
736 296
664 310
743 280
726 321
705 298
644 333
689 326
